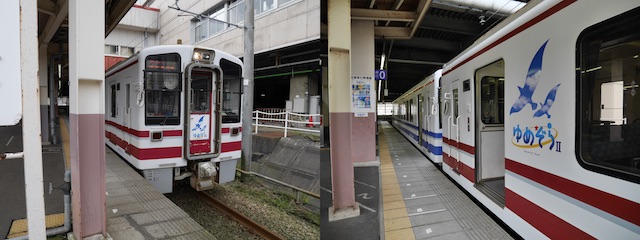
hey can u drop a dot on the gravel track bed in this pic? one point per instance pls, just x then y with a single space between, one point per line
277 213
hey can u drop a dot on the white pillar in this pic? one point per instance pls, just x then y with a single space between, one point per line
34 188
86 117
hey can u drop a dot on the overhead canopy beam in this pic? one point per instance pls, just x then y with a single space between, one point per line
383 15
116 13
423 6
61 11
433 22
393 32
47 7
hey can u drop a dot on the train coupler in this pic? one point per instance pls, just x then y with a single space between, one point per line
204 176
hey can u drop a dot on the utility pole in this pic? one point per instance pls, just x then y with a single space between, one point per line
247 105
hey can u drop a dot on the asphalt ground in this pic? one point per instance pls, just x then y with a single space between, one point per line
12 187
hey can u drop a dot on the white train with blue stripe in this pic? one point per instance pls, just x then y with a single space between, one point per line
416 117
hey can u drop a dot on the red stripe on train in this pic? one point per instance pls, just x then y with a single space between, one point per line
546 222
143 134
164 152
467 172
460 145
620 207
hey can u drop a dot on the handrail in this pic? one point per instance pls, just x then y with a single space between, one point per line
289 118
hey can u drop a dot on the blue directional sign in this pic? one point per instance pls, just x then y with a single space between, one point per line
381 74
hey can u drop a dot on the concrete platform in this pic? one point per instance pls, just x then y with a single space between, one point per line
413 199
135 210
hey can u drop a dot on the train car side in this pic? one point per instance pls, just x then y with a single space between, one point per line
416 117
514 136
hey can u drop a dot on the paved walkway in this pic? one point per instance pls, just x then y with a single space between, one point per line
135 210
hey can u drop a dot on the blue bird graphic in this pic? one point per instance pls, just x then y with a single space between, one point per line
546 105
199 126
530 84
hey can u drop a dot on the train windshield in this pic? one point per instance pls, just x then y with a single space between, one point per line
163 85
232 90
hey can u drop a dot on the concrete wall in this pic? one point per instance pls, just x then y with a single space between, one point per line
298 86
295 22
140 19
131 38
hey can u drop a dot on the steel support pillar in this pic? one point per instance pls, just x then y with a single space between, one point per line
339 42
44 103
86 117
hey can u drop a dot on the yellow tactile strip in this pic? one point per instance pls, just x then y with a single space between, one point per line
64 131
396 220
20 227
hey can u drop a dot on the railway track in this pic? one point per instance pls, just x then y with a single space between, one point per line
239 217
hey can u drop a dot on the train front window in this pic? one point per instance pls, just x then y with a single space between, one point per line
232 91
608 74
163 84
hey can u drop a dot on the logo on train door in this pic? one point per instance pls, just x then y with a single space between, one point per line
199 123
542 135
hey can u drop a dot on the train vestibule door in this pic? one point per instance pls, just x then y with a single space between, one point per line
126 122
489 132
202 130
454 129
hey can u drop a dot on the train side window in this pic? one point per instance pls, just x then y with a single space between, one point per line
113 100
232 91
411 112
163 85
608 78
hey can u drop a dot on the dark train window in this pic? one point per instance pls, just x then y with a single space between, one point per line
608 78
163 85
231 91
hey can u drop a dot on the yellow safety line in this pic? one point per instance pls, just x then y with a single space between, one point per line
396 219
65 142
21 227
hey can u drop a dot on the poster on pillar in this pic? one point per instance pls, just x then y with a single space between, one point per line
362 90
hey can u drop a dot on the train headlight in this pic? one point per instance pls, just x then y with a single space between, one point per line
202 55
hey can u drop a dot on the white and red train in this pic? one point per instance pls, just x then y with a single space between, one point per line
174 112
541 120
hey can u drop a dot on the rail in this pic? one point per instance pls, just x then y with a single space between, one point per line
240 218
288 121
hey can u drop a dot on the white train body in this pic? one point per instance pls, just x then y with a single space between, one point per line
416 117
541 122
174 112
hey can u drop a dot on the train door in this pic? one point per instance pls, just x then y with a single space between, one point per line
421 119
489 132
126 119
203 108
429 127
454 129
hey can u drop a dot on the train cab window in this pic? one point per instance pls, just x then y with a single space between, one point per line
232 91
608 80
162 86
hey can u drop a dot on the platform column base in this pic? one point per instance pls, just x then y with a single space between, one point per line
344 213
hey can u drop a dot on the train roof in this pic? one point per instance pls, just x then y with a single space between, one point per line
171 48
502 30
